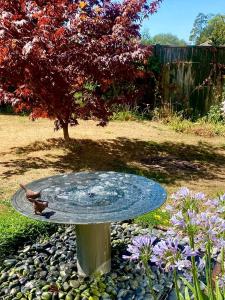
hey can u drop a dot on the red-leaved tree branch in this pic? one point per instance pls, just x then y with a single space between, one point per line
62 59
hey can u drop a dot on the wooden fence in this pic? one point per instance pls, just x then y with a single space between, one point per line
192 78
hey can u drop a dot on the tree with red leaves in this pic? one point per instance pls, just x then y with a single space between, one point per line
62 59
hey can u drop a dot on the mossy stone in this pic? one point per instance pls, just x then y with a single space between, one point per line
46 296
19 295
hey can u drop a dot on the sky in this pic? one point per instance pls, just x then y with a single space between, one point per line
177 16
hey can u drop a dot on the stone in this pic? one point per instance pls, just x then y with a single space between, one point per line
122 293
46 296
30 285
93 298
82 287
63 273
114 275
19 295
61 295
66 286
69 297
14 290
3 277
14 284
74 283
43 274
9 262
26 249
134 284
126 280
46 287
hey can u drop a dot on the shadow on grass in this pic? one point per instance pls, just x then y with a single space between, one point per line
166 162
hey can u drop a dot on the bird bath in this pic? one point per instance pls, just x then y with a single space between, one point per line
92 200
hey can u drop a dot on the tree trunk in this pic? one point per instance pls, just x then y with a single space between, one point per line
66 132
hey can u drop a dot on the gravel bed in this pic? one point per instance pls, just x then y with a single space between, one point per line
47 270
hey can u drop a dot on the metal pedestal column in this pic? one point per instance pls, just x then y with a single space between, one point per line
93 249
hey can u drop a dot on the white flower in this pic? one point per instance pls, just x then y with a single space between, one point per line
2 33
27 48
223 107
15 101
20 23
6 14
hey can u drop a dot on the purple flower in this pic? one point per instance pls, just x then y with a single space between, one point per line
212 203
168 255
170 208
201 264
199 196
210 230
178 220
188 251
182 264
181 193
141 247
188 275
192 217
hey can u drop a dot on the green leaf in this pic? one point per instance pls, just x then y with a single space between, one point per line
218 293
181 297
186 294
187 283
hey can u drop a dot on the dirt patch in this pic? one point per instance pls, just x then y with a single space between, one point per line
3 208
31 150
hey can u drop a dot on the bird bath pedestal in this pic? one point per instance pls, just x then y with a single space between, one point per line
92 200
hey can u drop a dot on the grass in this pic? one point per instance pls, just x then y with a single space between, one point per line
201 127
157 218
127 113
31 150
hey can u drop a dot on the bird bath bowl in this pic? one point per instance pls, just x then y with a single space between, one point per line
92 200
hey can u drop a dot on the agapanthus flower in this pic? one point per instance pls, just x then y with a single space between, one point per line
211 223
185 199
183 192
200 265
169 208
183 220
168 255
178 220
212 203
140 248
199 196
216 205
210 230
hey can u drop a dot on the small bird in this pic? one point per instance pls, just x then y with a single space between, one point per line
38 205
30 194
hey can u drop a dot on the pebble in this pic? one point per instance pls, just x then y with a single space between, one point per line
74 283
9 262
44 267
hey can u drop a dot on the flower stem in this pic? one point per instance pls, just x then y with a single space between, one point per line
149 273
209 271
197 292
176 285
